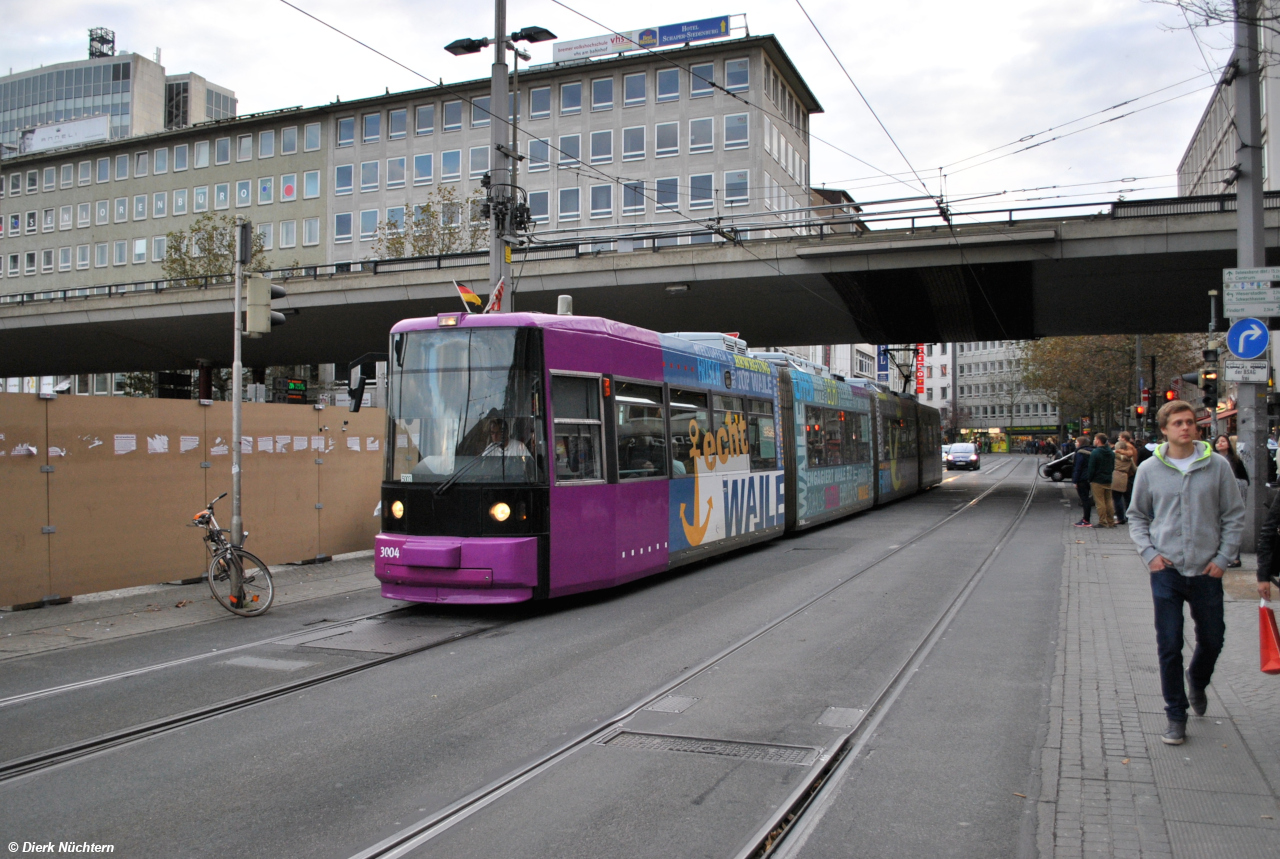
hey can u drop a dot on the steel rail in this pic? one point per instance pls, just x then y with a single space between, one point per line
415 835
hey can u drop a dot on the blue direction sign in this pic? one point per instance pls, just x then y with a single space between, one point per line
1248 339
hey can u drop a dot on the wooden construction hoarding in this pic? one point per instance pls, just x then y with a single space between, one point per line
96 492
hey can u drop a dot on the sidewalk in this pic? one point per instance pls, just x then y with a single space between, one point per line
112 615
1110 786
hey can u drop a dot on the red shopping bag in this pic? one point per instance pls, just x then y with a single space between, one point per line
1269 639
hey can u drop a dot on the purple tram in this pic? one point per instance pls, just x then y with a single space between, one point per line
531 456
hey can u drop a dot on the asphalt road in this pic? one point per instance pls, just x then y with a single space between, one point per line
334 768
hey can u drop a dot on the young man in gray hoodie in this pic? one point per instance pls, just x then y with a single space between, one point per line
1186 520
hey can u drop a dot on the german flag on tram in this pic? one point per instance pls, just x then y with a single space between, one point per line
468 297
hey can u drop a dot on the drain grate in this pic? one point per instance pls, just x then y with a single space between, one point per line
759 752
672 704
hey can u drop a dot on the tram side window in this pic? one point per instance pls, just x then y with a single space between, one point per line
690 430
642 446
575 400
860 440
829 436
730 425
762 442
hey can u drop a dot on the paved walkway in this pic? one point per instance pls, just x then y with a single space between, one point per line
112 615
1110 786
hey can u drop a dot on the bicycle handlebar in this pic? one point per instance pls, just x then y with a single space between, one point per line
216 500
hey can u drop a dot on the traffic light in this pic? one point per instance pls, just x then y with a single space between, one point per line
1209 384
1140 410
260 318
1170 396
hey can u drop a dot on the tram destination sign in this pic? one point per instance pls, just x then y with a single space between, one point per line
1245 371
1242 303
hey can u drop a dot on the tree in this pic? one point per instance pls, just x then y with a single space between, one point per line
207 249
444 224
1095 375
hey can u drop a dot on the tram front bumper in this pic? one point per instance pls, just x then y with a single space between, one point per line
456 569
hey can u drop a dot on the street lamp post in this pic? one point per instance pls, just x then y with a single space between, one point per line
501 176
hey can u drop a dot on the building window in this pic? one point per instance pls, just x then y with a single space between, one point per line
395 172
244 147
140 207
342 178
451 165
601 147
289 140
368 224
51 176
668 84
122 209
702 135
200 154
539 204
82 256
122 169
602 94
15 268
424 119
64 218
311 137
104 171
667 193
222 196
68 176
480 112
371 130
288 234
160 243
311 184
64 259
452 115
736 189
342 227
570 98
160 204
570 150
540 102
737 75
423 173
479 161
346 131
701 195
701 80
633 143
139 251
288 187
735 131
29 262
180 158
395 218
369 175
141 164
46 261
397 123
244 193
222 150
86 173
33 178
633 198
266 190
666 139
601 201
180 201
311 232
539 155
267 232
633 89
83 215
266 144
160 162
570 204
200 200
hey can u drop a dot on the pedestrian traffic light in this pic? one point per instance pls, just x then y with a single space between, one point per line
260 318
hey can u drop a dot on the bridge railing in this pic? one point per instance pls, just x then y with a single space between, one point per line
202 282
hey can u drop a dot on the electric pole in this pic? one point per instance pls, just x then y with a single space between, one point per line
244 253
500 190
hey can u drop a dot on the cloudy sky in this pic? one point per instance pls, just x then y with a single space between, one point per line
949 79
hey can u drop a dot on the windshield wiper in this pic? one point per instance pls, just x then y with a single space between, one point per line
453 478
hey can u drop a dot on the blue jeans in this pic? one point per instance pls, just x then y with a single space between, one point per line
1169 590
1085 492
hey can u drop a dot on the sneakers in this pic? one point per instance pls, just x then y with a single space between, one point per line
1083 524
1175 734
1195 696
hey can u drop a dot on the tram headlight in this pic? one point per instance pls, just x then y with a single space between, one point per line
397 509
500 511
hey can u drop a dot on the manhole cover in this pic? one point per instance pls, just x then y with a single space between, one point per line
759 752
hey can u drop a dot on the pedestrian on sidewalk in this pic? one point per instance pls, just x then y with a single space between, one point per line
1122 477
1268 538
1080 477
1102 466
1186 520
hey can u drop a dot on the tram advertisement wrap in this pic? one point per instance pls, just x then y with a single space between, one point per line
724 501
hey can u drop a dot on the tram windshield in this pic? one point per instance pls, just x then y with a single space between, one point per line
465 406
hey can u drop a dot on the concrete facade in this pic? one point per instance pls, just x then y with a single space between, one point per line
991 397
374 157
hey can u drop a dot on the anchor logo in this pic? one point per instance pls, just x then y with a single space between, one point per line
695 532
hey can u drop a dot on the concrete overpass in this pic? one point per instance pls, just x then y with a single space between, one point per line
1144 266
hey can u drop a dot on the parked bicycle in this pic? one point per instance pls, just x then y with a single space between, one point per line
238 579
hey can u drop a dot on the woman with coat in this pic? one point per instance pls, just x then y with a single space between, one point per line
1122 477
1226 446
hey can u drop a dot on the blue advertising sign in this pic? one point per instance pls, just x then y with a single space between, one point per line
693 31
1248 339
882 363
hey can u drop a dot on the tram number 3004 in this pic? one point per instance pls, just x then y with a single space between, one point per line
389 552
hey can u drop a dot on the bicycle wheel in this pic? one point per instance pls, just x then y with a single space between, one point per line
241 582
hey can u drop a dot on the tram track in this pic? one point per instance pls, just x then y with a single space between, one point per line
833 764
50 759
